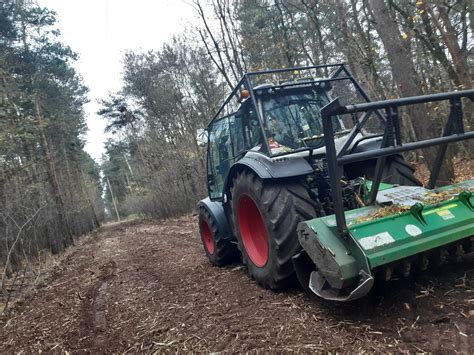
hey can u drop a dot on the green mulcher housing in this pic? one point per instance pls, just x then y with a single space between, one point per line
305 187
380 241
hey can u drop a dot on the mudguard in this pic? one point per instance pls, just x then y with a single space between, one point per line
273 168
217 212
288 166
366 144
269 168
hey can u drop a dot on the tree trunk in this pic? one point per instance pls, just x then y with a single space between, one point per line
448 34
311 11
408 84
429 39
353 53
370 58
95 220
52 177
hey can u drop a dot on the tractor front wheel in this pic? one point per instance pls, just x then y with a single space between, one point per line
265 216
219 250
398 171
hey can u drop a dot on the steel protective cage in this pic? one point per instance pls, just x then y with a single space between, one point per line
246 82
391 141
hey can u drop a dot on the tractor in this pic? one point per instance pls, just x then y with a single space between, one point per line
307 184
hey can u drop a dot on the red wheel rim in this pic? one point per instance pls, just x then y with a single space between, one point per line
207 239
252 231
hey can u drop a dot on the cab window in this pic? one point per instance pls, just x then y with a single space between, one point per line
229 139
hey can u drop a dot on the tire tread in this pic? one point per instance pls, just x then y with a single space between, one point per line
283 204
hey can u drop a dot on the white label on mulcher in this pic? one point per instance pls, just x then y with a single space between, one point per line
413 230
377 240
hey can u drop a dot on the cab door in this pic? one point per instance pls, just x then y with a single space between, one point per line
218 156
228 142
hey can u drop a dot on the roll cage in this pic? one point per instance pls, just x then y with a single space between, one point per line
237 113
286 78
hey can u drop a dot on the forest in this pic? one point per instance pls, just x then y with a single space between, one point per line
52 191
50 188
394 48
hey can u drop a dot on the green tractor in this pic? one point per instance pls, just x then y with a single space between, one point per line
303 187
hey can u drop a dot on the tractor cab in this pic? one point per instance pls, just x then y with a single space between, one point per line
277 114
277 120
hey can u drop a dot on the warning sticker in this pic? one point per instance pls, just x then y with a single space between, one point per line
376 240
445 214
436 210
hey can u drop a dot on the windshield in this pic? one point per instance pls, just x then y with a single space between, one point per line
294 121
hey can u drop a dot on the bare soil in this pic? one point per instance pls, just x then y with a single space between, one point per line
147 287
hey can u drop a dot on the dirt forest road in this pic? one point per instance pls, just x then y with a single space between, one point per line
147 287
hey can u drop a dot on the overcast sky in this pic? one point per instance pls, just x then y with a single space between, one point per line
101 30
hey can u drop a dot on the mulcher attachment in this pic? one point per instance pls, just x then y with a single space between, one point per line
403 228
410 229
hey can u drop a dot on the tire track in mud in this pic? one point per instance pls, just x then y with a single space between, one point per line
94 307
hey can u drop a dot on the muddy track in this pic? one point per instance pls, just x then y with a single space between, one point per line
94 307
147 286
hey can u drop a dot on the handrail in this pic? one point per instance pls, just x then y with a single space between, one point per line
412 100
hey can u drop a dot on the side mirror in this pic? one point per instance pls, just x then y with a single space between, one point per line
210 179
202 137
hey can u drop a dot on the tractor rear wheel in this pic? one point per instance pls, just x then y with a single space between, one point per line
265 216
219 251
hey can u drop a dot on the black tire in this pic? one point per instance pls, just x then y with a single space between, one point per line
281 205
398 171
223 251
